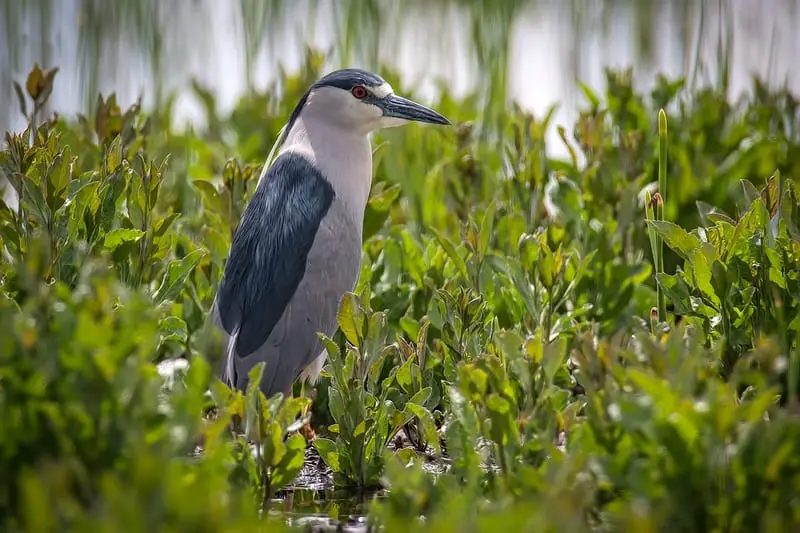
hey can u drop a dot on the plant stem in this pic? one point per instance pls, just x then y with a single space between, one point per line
661 206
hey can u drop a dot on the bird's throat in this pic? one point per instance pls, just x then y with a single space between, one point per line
344 158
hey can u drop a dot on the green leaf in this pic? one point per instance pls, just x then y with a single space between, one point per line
9 237
487 226
328 452
210 195
677 291
351 318
335 404
775 268
677 238
553 357
403 375
114 155
173 328
163 224
176 274
452 253
422 396
750 192
119 236
503 429
427 424
136 201
33 195
292 461
693 251
360 429
382 199
701 273
377 210
110 192
547 267
406 455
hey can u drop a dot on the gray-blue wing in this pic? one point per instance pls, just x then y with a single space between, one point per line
267 259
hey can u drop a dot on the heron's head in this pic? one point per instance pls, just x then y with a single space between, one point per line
360 100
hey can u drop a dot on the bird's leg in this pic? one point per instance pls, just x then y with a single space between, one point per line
306 431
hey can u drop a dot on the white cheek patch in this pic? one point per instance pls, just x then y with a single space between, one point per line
382 91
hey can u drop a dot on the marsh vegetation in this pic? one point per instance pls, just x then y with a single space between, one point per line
602 340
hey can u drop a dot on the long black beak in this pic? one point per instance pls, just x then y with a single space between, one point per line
399 107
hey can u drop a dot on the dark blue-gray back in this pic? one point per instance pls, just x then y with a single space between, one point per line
270 247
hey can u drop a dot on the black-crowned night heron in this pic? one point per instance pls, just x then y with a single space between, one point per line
297 248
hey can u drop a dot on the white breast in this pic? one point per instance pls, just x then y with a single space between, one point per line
334 261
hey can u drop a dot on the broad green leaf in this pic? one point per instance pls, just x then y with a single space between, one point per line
677 238
251 409
534 349
173 328
110 193
162 225
176 274
403 375
422 396
677 291
452 253
114 155
136 201
360 429
351 319
427 424
406 455
754 409
382 199
692 250
503 429
701 270
546 267
119 236
750 192
328 452
33 196
775 267
336 404
292 461
209 194
554 355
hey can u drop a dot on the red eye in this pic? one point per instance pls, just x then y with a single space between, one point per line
359 92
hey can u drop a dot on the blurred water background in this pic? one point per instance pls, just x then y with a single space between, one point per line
533 51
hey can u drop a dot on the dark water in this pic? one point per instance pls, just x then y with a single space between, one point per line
313 503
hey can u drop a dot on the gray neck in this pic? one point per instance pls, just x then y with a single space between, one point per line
343 156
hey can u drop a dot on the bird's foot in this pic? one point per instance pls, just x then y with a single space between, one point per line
307 431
